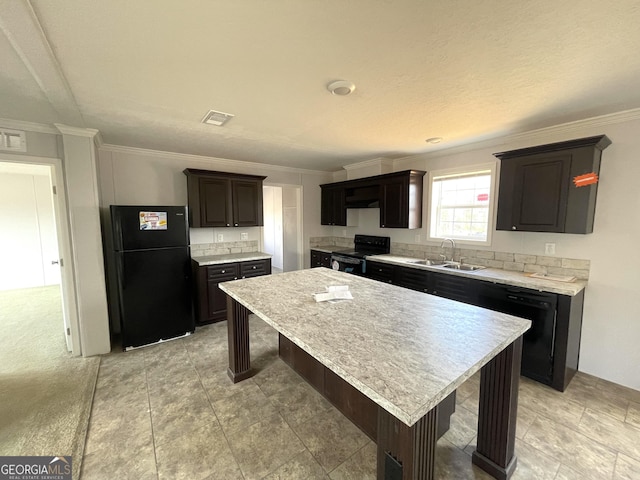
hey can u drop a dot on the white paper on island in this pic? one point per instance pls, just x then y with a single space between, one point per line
333 293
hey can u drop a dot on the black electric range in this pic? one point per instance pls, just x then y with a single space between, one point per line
354 260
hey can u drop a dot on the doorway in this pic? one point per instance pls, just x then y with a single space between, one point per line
282 232
34 235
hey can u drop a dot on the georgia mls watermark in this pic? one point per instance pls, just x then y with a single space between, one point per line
35 468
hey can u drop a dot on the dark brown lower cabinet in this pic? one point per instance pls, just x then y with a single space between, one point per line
211 302
552 345
320 259
356 406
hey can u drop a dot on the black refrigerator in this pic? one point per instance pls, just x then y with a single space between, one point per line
152 269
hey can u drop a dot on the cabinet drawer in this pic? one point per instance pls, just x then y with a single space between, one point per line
254 268
226 269
380 272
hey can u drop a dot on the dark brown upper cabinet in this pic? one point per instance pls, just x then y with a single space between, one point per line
550 188
221 199
332 209
398 195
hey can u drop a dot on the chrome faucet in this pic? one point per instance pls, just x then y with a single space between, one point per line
453 246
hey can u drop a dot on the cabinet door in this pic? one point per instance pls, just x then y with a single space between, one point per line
215 202
247 203
452 287
332 206
320 259
217 307
394 204
535 193
413 278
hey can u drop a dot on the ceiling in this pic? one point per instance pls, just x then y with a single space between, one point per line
145 73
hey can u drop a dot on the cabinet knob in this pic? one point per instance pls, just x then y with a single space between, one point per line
254 267
513 228
236 224
243 276
227 224
222 271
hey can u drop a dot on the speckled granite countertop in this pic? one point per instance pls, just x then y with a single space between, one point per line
405 350
327 248
506 277
229 258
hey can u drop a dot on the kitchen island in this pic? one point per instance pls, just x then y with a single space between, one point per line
404 350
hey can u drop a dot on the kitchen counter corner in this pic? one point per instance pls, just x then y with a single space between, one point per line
205 260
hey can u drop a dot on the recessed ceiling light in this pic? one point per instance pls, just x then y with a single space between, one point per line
434 140
217 118
341 87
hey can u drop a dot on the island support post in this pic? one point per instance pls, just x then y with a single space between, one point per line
238 340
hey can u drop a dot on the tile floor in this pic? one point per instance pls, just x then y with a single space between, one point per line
170 412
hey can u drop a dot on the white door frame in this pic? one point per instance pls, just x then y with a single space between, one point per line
67 277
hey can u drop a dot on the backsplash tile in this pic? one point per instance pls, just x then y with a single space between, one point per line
516 262
223 248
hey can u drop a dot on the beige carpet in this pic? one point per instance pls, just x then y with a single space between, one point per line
45 393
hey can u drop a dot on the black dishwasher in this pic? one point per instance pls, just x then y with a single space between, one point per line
538 341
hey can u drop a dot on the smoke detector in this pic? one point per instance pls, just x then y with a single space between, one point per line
341 87
217 118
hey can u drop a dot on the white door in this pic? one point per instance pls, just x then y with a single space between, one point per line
64 261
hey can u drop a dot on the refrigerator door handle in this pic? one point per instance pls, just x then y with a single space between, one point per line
120 270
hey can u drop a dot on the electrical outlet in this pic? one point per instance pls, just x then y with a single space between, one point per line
244 236
220 237
417 238
550 248
344 232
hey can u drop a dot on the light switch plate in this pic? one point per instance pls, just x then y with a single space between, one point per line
220 237
244 236
550 248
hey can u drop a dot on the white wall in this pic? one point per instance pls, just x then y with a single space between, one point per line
120 171
28 240
611 322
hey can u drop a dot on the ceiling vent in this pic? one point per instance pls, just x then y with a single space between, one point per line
217 118
13 140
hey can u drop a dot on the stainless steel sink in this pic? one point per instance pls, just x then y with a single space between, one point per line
434 263
464 266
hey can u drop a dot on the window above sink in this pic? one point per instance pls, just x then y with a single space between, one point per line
461 204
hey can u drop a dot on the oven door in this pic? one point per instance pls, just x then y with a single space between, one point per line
346 264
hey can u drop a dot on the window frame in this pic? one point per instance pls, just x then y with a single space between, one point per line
465 170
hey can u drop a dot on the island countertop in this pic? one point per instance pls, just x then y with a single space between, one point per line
405 350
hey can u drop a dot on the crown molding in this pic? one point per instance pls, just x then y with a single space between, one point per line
27 126
98 141
77 131
577 127
201 158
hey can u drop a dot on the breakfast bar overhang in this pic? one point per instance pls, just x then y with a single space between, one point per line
404 350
